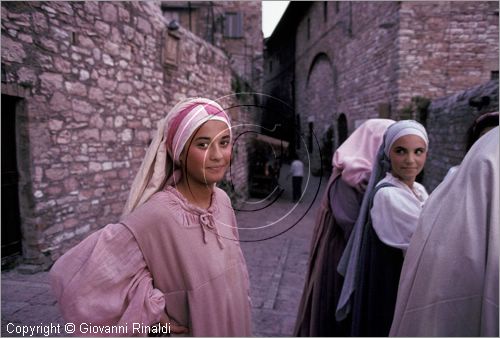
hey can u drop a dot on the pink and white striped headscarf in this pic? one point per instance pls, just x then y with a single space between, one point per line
161 162
188 117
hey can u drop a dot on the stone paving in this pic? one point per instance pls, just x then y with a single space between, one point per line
276 267
28 300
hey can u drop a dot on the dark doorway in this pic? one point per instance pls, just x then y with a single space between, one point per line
11 222
342 127
327 150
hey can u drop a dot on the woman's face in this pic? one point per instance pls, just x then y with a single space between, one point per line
408 155
208 153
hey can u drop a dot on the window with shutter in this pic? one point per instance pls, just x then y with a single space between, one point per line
233 25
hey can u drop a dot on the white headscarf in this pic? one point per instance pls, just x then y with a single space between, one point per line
162 157
403 128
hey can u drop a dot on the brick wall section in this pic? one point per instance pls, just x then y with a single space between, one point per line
97 88
445 47
384 53
320 110
206 19
347 65
447 123
245 114
245 53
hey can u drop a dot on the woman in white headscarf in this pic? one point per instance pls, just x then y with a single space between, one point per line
391 206
352 164
449 281
174 259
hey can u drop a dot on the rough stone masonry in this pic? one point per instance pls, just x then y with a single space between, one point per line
90 81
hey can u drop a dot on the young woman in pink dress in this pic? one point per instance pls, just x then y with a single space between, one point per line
174 258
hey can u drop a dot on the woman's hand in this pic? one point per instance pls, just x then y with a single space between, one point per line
174 328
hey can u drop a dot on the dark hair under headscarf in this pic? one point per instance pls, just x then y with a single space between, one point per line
488 120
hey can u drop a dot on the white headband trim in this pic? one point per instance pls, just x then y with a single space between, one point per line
197 117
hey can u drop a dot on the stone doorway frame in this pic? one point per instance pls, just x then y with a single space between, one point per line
30 252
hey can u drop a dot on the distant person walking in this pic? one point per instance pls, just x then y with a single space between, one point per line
297 172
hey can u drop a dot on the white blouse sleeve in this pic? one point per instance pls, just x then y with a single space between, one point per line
394 216
104 280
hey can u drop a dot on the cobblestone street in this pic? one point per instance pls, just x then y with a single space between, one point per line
276 268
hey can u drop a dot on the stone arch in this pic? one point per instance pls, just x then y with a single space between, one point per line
319 107
320 57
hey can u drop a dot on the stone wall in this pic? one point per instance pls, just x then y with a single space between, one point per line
246 53
448 120
344 65
94 84
369 59
445 47
207 19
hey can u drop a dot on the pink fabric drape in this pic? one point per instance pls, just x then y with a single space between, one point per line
354 158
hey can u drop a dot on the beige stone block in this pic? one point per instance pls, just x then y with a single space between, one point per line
64 137
56 173
76 88
109 12
95 166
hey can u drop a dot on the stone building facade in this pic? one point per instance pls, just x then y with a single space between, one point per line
358 60
279 80
233 26
83 86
